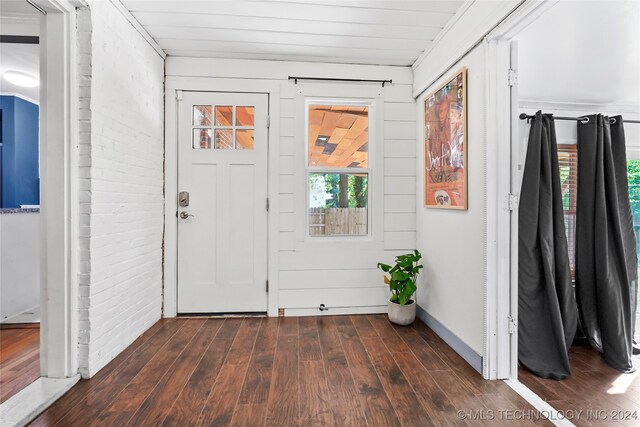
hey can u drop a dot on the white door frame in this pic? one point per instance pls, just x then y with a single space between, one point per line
58 188
501 344
225 209
173 85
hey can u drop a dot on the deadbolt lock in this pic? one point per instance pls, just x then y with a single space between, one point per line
183 199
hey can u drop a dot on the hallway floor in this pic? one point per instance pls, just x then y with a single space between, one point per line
324 371
19 359
604 395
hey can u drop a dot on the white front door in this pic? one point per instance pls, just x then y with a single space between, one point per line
222 204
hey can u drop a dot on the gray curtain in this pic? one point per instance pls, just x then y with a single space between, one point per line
606 264
547 312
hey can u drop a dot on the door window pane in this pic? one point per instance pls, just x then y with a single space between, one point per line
244 116
338 136
232 127
202 115
244 139
224 139
338 204
201 138
224 115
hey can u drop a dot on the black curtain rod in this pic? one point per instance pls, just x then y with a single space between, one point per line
296 78
582 119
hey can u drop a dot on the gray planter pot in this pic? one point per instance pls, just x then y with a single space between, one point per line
402 314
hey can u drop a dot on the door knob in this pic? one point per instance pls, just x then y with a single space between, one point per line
185 215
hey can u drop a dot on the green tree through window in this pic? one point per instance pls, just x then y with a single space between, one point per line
633 177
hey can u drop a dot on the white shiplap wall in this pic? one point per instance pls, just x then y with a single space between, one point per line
340 274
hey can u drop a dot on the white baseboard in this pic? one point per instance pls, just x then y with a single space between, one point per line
335 311
31 315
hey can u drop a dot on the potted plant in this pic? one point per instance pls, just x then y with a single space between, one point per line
402 282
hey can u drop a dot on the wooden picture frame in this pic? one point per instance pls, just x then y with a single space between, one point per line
445 144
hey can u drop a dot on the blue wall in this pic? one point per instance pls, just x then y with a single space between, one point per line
20 171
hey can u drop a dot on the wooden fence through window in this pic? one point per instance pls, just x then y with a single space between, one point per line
338 221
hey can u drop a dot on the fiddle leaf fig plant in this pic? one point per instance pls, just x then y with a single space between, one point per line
402 276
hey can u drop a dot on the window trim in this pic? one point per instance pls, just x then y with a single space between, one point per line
292 168
369 170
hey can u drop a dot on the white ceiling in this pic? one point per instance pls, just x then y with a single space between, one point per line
24 58
582 52
19 18
13 7
348 31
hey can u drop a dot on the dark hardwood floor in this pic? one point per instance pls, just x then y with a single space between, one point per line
602 394
19 359
320 371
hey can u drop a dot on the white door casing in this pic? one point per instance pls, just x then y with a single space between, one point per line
503 136
222 243
517 168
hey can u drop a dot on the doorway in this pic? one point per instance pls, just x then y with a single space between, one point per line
57 368
20 231
549 73
222 203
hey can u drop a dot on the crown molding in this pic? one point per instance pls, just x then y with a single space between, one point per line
610 108
21 18
20 25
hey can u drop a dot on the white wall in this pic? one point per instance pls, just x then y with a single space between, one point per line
121 186
338 274
19 263
557 71
454 243
556 58
457 284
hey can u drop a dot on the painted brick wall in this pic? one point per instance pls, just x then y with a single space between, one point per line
121 184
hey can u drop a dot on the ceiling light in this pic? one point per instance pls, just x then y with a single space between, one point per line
21 79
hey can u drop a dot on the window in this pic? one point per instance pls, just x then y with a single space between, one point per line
231 127
568 162
338 169
633 177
